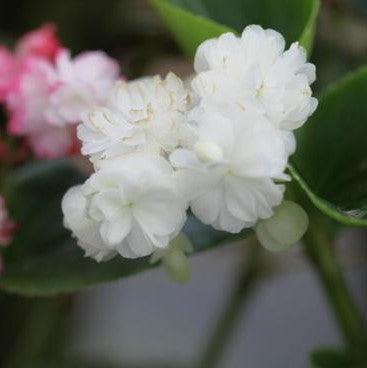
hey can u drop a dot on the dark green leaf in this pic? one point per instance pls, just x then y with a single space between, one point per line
330 163
333 358
193 21
43 258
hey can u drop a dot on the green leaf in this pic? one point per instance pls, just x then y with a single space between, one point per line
330 163
43 258
334 358
193 21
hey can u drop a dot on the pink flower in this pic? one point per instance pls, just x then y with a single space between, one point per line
8 65
46 100
27 101
46 91
40 42
27 79
84 82
28 96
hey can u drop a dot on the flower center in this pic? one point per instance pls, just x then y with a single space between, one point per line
260 89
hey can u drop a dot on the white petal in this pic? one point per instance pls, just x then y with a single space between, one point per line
114 231
161 217
139 243
227 222
208 206
240 200
109 205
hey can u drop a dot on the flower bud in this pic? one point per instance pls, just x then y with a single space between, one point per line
285 228
174 258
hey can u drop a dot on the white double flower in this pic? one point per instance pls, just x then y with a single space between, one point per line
130 206
142 115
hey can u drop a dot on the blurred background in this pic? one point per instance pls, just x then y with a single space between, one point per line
147 320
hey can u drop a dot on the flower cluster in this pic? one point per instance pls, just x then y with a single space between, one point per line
46 91
219 146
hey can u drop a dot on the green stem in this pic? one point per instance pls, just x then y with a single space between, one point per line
38 331
227 322
321 253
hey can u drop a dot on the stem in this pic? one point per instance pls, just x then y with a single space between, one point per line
38 331
321 253
227 321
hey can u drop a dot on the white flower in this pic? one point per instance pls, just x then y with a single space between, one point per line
130 206
145 114
228 171
255 72
83 82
